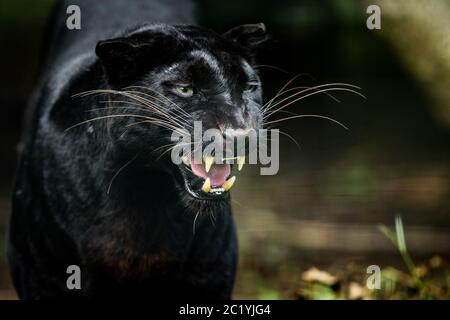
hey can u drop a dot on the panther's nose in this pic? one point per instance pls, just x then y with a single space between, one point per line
236 133
237 142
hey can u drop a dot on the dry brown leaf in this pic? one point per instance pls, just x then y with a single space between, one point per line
316 275
436 262
356 291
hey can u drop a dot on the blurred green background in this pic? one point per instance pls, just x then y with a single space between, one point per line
323 207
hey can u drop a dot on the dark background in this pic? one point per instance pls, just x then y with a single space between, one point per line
324 205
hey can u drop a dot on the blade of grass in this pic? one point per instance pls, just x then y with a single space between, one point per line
388 233
398 239
401 244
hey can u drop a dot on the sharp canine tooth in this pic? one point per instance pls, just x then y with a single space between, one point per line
208 163
229 183
185 160
206 185
240 161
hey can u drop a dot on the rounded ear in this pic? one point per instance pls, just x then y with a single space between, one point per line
248 36
115 50
119 57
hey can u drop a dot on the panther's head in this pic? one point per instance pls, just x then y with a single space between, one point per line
162 79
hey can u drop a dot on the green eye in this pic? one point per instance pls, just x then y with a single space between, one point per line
185 91
252 86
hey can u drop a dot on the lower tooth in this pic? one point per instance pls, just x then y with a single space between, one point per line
229 183
206 186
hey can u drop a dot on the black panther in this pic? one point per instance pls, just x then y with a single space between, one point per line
95 185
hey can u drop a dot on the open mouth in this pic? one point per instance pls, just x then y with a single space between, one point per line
210 180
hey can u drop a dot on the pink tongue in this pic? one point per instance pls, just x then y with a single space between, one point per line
218 173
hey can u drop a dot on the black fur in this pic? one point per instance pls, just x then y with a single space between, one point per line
131 230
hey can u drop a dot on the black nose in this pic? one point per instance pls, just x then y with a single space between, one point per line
235 133
239 139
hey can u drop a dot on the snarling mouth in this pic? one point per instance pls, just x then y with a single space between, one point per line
210 180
